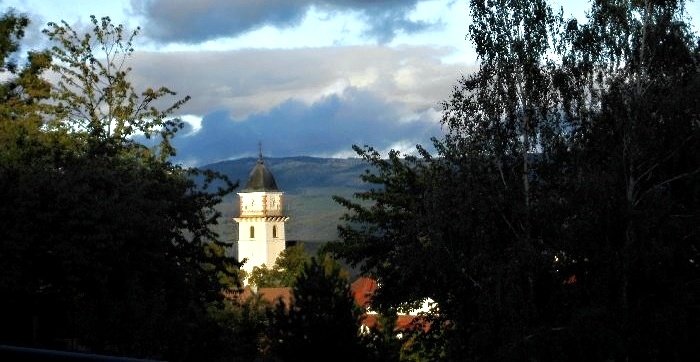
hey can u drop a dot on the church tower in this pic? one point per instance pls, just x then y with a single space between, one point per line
261 219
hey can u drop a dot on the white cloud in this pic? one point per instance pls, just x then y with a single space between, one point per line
193 121
246 82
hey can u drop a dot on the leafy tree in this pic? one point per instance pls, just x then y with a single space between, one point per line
404 239
560 214
93 91
637 171
462 228
21 92
245 323
104 243
322 321
22 151
288 267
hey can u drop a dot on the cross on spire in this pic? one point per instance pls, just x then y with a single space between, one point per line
260 156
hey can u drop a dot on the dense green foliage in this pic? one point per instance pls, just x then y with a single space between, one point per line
104 245
322 321
559 218
245 324
288 267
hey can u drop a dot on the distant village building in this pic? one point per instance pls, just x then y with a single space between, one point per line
260 220
363 290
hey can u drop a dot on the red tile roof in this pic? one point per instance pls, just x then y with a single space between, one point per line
403 323
362 290
271 295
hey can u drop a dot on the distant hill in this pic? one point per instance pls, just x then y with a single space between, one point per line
308 184
296 173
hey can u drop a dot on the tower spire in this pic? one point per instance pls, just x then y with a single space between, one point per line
260 156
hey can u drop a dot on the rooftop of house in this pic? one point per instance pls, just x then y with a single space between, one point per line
362 290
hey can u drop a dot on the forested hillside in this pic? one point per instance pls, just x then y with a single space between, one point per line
294 174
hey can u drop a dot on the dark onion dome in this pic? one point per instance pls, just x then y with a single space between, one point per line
261 179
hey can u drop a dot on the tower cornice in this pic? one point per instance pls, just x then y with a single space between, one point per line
261 218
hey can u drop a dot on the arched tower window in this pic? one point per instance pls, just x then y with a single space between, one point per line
252 232
274 231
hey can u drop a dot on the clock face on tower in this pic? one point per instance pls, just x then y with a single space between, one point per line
274 202
251 205
261 204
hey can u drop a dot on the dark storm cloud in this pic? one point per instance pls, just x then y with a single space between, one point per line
384 18
192 22
327 127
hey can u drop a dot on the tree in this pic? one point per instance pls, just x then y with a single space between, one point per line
637 171
22 141
462 228
322 320
288 267
105 243
93 91
245 324
21 92
561 207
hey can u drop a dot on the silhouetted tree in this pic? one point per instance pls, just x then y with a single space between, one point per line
104 244
633 205
322 320
558 219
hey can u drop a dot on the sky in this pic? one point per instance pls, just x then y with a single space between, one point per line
302 77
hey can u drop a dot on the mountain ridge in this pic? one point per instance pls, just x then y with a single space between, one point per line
318 171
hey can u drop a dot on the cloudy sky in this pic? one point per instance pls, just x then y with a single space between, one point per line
304 77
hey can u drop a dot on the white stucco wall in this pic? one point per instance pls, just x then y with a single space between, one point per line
264 212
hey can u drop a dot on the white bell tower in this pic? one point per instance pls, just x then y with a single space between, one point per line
261 219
